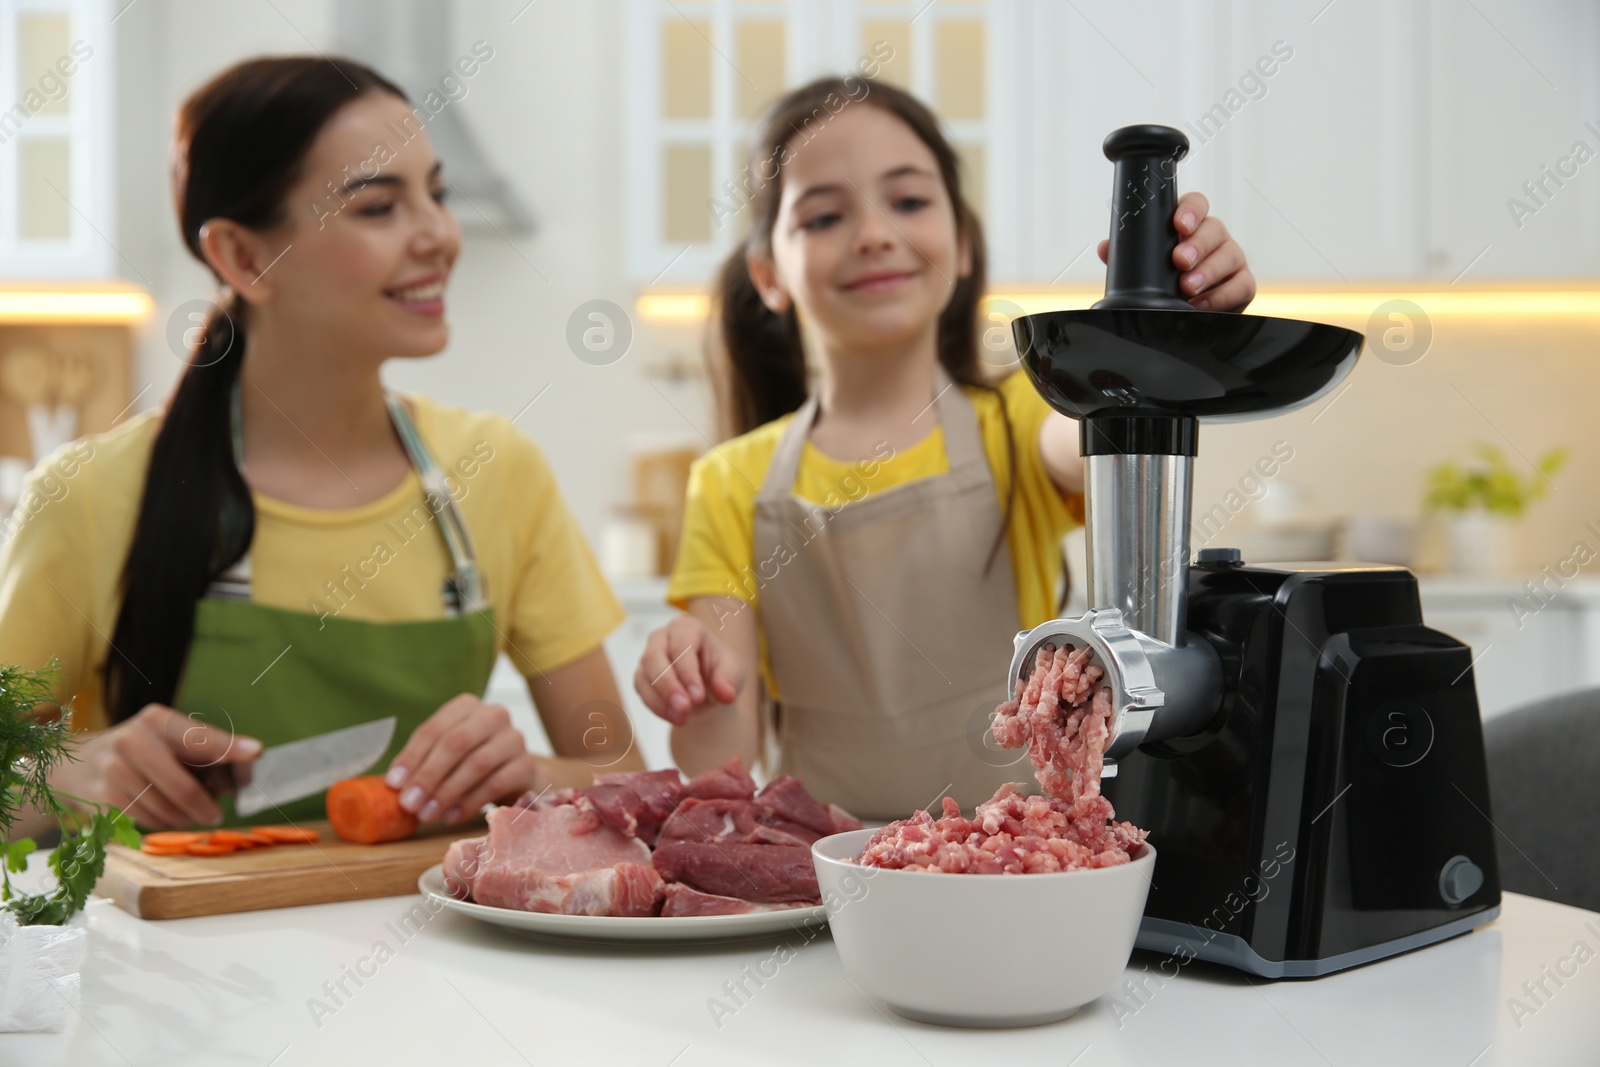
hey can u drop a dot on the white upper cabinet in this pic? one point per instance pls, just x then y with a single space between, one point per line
1342 141
56 182
1513 160
1324 142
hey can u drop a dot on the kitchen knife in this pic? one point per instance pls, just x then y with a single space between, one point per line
300 768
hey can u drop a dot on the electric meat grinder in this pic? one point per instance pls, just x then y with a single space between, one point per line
1306 755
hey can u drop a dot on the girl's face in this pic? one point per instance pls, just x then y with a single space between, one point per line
364 260
865 242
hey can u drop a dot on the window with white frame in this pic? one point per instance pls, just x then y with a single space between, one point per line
701 75
56 188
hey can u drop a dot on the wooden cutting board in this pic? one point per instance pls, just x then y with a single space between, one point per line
283 876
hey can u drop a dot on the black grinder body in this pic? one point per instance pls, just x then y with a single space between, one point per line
1336 811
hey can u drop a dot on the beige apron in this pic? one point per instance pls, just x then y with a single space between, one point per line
888 642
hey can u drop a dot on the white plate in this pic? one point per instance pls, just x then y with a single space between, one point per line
638 929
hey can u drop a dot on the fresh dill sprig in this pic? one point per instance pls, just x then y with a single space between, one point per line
30 748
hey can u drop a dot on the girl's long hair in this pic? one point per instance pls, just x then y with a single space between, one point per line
758 360
239 147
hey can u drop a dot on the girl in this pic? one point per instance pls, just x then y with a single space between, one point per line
871 547
288 548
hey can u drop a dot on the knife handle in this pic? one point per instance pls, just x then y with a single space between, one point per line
217 778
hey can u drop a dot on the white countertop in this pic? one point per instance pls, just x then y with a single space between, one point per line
236 989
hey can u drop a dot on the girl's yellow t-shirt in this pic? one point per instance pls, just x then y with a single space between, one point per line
63 548
716 555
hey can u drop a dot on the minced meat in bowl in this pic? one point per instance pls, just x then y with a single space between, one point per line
1060 934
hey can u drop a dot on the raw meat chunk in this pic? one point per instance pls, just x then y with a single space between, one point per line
727 782
659 790
545 860
749 821
633 803
625 889
787 796
461 865
766 874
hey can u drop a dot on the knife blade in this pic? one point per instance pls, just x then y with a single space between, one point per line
298 769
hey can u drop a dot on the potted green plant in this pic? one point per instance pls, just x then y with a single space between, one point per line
43 934
1480 502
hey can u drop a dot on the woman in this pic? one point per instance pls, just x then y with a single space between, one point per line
288 549
873 545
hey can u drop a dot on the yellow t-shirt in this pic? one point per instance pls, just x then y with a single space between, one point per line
716 554
63 548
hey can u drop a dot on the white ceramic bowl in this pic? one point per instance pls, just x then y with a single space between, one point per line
981 949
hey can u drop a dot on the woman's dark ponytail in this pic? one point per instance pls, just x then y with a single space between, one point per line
182 538
240 145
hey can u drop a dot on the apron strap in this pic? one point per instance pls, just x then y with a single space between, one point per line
785 465
963 446
463 589
466 582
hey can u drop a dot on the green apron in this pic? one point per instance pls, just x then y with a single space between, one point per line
279 675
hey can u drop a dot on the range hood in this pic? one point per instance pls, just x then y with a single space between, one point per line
411 43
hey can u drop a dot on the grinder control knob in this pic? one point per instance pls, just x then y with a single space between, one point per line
1459 879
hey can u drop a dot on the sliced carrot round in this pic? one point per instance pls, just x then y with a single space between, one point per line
233 837
211 848
164 850
288 834
260 839
172 837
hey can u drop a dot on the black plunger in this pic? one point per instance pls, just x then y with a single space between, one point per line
1142 366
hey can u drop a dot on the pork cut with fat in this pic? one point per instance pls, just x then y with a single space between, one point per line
549 860
461 865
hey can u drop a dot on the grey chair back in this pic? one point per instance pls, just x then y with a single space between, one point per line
1544 788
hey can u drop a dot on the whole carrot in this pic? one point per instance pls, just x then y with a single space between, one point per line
366 810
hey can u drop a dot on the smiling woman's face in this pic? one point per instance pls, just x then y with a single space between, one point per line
865 241
366 243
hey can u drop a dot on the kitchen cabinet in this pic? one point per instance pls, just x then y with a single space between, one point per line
1341 141
1512 158
1321 164
56 139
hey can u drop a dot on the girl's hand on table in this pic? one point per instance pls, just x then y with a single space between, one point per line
465 755
146 765
686 668
1216 277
